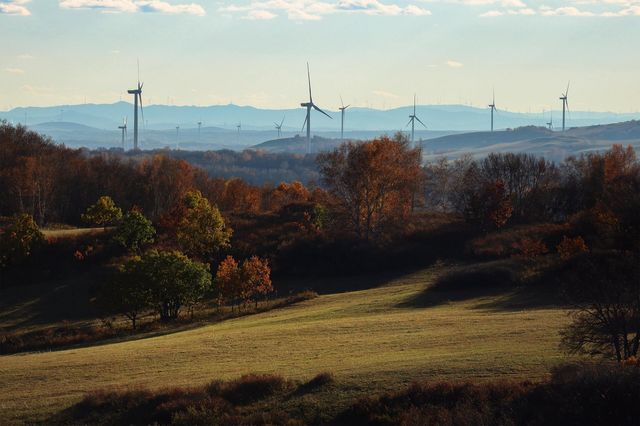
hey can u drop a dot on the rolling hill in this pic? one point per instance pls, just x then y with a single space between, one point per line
536 140
375 339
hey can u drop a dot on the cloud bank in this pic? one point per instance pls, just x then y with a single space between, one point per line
132 6
310 10
14 7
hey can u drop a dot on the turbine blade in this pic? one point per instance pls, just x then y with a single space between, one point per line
420 121
309 79
341 102
282 122
319 110
567 92
410 120
141 108
305 123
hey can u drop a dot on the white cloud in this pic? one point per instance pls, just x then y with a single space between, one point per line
454 64
14 7
14 70
491 14
131 6
311 10
566 11
257 15
385 94
568 8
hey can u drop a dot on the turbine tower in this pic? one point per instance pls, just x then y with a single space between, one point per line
199 126
279 126
565 105
137 96
309 105
412 120
342 110
550 123
493 108
124 130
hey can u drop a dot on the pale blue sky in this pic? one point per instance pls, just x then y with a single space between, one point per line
372 52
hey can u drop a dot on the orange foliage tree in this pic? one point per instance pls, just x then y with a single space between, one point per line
374 183
243 282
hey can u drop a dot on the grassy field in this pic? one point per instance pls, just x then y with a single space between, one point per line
375 339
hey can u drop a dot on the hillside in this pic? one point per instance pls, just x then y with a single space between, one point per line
540 141
371 340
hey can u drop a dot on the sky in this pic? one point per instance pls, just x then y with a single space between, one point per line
374 53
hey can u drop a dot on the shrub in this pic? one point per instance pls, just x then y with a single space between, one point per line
569 247
252 387
529 249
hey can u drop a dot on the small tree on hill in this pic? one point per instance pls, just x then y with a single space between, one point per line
202 231
129 293
605 292
175 281
243 282
256 277
164 281
228 281
103 213
134 231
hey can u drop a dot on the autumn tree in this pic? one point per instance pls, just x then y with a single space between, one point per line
228 281
134 231
489 206
256 277
103 213
374 183
243 282
18 241
201 232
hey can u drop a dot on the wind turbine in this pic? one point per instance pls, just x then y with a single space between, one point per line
137 95
124 130
199 126
550 123
309 105
412 120
493 108
342 110
279 126
565 105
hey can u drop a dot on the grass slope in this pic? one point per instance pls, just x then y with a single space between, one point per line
371 340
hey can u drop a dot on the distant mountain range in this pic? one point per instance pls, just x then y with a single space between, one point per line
102 121
452 128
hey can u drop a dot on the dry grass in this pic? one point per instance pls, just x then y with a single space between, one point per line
370 340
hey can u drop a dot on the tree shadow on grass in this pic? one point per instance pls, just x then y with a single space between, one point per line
498 281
